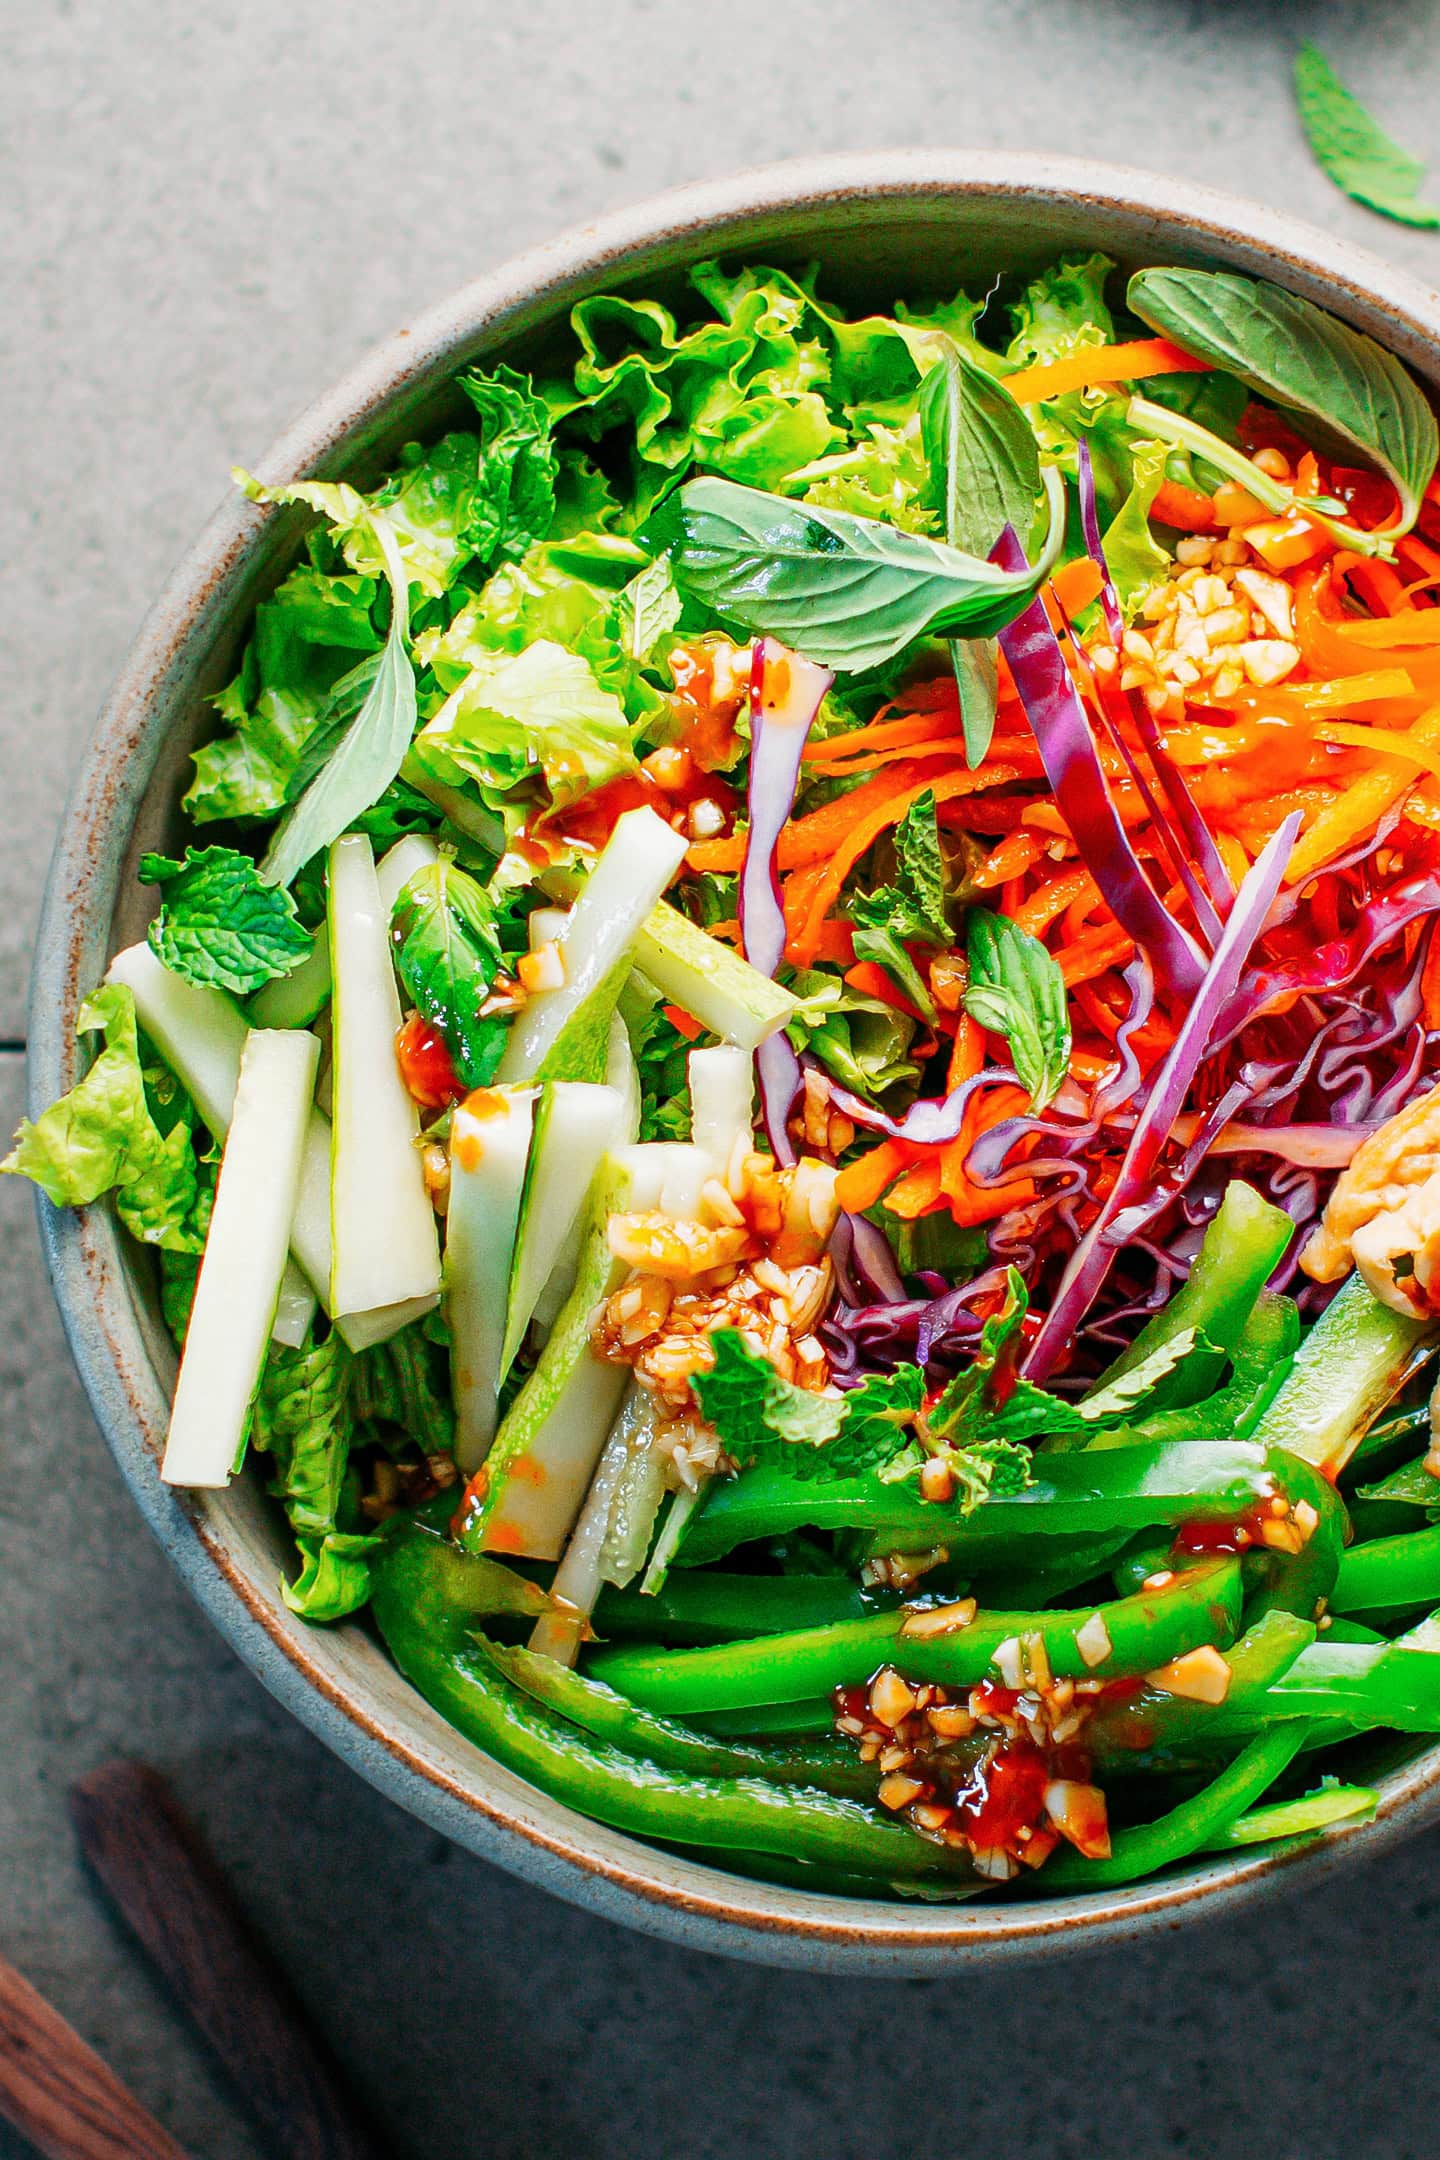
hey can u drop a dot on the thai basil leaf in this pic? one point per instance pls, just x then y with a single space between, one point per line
1294 353
373 748
646 609
1353 149
447 953
1017 990
850 592
219 925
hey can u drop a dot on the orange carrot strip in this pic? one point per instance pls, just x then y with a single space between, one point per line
970 1203
861 1183
722 855
884 735
949 745
1012 858
1375 582
797 894
1386 742
1075 584
1183 509
871 980
811 838
967 1057
683 1022
917 1193
1092 955
1303 701
1359 809
728 933
862 834
1052 898
1102 364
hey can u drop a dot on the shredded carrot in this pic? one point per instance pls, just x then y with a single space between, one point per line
1421 561
728 934
1093 954
1306 700
1359 809
1075 584
1089 1069
967 1056
1376 583
683 1022
1183 509
1285 543
885 735
721 855
917 1193
1053 898
1012 858
947 745
865 830
871 980
798 893
861 1183
1102 364
971 1203
837 943
1387 741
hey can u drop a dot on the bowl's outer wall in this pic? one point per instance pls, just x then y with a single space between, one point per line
878 226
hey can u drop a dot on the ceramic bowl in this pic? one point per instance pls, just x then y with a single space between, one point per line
878 225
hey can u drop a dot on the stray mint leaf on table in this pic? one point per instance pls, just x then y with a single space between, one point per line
1353 149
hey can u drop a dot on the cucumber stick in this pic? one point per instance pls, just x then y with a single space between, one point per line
709 980
722 1099
1346 1370
490 1136
244 1260
552 1435
385 1255
564 1034
201 1034
576 1126
294 1000
607 1532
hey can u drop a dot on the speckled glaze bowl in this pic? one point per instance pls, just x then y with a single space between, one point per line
878 225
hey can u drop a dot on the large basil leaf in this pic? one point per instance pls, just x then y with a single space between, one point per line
849 592
1016 990
447 951
1294 353
985 472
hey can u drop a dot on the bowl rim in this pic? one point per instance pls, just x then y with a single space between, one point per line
536 1838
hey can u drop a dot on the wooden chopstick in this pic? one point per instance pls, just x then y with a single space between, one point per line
165 1885
56 2091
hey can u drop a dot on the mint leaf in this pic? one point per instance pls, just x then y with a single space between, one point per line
911 910
1353 149
102 1137
759 1416
1016 989
514 501
1131 1387
879 1423
447 954
648 607
219 925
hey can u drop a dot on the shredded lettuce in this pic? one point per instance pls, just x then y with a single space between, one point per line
538 714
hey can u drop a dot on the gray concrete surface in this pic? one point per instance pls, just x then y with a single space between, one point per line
205 214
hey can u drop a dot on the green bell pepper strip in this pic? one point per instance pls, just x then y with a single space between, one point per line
1199 1606
1391 1574
1153 1730
1299 1582
1412 1485
710 1607
427 1636
1082 1495
1242 1247
1262 1358
635 1731
1297 1818
791 1720
1187 1829
1346 1370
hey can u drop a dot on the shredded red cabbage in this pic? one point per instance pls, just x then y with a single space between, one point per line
1136 1182
785 695
1067 749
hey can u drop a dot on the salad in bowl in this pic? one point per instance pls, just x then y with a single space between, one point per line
788 1088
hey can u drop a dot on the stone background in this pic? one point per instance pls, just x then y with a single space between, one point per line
208 213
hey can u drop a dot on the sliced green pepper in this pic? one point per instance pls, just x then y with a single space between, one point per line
1390 1574
1242 1247
1132 1635
696 1607
1188 1828
1297 1818
1352 1361
1083 1495
1261 1360
599 1710
426 1639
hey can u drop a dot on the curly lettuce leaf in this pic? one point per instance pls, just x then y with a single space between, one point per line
1137 560
218 924
102 1137
540 714
303 1420
863 1041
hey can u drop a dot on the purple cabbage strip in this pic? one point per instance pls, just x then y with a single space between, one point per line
1092 1260
1072 765
930 1122
780 727
1219 893
1335 964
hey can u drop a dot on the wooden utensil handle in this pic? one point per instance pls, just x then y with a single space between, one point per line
56 2091
166 1886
